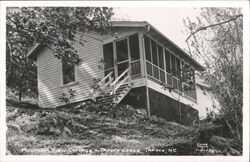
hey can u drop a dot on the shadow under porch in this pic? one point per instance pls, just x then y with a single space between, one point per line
161 105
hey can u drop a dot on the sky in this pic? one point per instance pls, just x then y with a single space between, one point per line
167 20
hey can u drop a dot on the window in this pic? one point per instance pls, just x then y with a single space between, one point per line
147 48
134 47
68 71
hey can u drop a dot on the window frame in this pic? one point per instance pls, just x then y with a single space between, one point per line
75 76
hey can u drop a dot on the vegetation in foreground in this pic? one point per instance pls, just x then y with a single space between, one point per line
87 129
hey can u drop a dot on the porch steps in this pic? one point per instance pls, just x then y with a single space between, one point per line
116 98
115 90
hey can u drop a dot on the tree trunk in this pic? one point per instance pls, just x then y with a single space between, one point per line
21 83
9 66
9 74
21 88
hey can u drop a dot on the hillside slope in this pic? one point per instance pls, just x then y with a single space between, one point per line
73 131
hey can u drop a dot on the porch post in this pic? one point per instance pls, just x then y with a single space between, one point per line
129 62
115 60
147 101
142 52
144 70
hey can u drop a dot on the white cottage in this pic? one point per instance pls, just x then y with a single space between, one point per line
138 60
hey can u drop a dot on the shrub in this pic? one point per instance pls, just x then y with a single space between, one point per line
53 123
68 96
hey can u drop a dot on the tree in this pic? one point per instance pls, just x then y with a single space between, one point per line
52 27
215 38
187 84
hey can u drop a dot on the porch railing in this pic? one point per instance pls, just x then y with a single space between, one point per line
135 68
113 86
123 78
102 84
160 75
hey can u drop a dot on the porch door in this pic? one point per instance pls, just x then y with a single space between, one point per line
108 54
121 57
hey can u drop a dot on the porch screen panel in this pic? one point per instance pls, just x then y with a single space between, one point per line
155 59
160 53
106 72
147 48
190 93
193 91
149 69
154 53
174 71
182 68
169 80
179 85
193 79
122 67
173 65
162 76
161 64
167 60
108 56
175 83
156 72
122 50
136 68
134 47
178 66
135 55
189 86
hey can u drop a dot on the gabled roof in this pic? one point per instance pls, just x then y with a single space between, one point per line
34 50
149 29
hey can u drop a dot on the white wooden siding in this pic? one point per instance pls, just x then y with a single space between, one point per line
48 78
50 72
139 82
